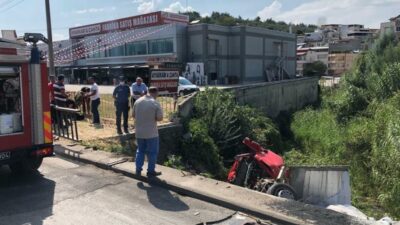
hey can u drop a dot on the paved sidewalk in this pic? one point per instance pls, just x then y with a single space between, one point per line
278 210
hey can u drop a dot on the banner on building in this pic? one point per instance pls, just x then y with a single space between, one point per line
195 73
165 80
140 21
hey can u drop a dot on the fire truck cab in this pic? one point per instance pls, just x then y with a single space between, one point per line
25 121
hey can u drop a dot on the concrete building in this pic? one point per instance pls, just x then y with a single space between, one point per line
248 54
133 46
393 26
309 55
339 63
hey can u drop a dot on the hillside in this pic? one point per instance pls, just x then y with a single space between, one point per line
227 20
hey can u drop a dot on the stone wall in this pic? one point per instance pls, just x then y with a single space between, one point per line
275 97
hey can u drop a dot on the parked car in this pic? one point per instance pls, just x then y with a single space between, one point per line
186 87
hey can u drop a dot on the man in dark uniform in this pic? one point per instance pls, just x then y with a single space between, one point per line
121 96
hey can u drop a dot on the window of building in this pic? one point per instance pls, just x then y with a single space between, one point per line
97 52
161 46
116 51
397 29
10 101
136 48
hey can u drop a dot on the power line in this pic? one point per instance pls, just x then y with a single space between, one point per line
6 2
6 9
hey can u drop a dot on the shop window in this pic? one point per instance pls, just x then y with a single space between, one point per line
136 48
116 51
10 101
161 46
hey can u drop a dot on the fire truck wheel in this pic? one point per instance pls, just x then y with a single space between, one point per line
26 166
283 191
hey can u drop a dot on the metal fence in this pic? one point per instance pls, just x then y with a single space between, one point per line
64 122
107 106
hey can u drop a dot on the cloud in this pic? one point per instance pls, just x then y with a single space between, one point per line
95 10
270 11
178 7
368 12
146 7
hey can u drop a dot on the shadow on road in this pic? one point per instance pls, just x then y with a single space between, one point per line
163 199
25 199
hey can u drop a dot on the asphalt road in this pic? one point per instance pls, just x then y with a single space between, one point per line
68 192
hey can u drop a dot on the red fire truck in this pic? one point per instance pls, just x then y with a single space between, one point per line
25 121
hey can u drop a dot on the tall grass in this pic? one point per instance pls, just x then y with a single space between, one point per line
359 125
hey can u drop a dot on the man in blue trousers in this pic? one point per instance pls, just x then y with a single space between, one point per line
121 96
147 112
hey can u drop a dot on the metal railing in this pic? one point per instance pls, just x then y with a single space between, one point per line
64 122
107 108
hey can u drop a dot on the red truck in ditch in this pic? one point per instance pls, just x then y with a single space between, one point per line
25 120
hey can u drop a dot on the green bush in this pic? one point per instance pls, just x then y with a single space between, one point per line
201 152
174 161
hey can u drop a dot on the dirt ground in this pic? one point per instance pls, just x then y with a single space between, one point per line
88 132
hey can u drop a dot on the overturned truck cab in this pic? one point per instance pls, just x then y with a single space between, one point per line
25 120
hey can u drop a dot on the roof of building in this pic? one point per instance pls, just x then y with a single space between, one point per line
394 18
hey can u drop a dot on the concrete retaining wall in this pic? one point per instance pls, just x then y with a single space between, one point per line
322 185
169 140
275 97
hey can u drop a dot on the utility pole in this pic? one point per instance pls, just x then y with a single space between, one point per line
50 52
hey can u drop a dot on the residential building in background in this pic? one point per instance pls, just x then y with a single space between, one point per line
393 26
339 63
135 45
336 45
306 55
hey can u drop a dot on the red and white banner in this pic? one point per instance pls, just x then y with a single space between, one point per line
145 20
165 80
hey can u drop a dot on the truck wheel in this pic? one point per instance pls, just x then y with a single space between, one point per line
241 173
283 191
29 165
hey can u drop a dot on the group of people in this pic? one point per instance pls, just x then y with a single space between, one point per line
147 112
125 97
59 97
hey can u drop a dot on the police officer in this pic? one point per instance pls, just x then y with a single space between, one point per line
121 96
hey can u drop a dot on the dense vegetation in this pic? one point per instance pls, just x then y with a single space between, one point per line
217 128
317 68
359 125
226 19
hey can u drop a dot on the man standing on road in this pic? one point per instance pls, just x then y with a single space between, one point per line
121 96
139 89
147 111
94 100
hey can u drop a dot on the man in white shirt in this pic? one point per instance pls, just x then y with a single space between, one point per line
94 100
147 112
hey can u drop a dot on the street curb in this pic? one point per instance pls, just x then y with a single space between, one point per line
272 216
268 210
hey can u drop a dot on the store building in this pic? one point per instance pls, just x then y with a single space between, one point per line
133 46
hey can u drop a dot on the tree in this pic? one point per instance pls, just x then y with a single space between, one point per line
317 68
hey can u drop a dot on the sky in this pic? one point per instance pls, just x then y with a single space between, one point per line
29 15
